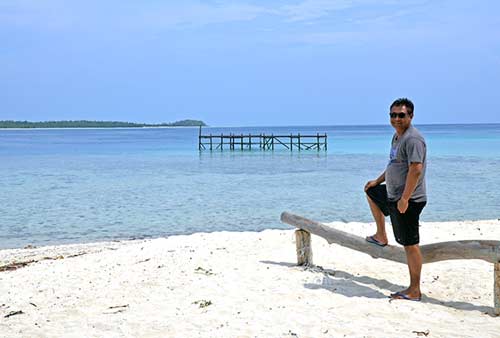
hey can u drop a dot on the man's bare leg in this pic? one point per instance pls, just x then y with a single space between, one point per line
378 216
414 260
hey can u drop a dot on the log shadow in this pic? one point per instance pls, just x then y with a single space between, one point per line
346 284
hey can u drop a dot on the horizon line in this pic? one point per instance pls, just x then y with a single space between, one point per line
352 125
253 126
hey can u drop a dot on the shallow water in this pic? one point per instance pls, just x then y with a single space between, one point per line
81 185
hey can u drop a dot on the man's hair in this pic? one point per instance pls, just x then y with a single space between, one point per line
404 102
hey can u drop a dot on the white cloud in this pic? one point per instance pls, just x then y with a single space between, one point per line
182 13
60 13
199 14
315 9
294 22
328 38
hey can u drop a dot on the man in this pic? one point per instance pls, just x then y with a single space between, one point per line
403 196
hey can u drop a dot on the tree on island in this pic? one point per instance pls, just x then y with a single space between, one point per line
97 124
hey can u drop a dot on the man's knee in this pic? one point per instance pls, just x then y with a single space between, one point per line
372 203
412 249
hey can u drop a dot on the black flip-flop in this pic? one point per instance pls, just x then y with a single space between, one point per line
400 295
371 239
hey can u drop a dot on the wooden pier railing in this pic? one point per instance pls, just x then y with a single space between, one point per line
262 142
488 251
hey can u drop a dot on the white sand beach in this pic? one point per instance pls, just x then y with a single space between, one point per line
244 284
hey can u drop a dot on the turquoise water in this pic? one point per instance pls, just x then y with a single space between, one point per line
82 185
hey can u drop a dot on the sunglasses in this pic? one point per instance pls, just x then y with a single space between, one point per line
400 115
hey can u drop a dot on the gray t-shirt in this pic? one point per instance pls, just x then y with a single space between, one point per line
408 148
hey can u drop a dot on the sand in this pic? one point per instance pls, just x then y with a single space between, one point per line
244 284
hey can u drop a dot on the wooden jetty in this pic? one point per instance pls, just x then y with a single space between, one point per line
262 141
485 250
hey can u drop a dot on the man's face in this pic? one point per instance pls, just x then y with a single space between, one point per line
400 119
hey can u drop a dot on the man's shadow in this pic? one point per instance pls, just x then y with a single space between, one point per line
348 285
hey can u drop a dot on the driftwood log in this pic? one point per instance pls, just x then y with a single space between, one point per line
488 251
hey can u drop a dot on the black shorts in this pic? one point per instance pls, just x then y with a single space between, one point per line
405 226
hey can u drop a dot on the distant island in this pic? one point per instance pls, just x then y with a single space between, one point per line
96 124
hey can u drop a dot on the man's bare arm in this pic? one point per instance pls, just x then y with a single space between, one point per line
414 173
375 182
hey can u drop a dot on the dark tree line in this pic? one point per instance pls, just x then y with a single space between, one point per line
95 124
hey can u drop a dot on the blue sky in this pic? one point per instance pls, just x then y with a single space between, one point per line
249 63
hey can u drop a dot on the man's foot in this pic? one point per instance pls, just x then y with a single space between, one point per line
406 296
376 241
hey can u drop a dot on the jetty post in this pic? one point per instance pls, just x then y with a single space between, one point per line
200 143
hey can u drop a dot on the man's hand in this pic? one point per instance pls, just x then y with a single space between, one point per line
402 205
370 184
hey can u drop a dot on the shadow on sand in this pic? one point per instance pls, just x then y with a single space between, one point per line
348 285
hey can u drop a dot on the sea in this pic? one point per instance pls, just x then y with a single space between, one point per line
62 186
